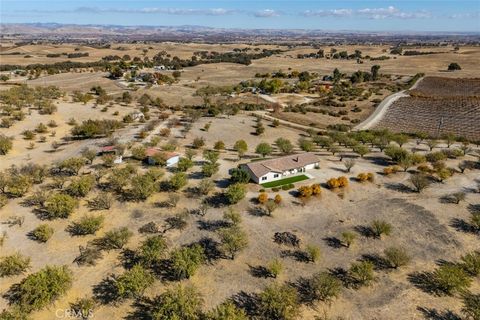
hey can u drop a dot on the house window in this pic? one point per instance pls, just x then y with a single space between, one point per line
275 175
264 178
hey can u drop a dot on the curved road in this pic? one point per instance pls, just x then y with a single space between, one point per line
382 108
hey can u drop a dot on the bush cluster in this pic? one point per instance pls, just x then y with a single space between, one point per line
339 182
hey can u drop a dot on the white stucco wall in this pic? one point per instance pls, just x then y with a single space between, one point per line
270 177
173 161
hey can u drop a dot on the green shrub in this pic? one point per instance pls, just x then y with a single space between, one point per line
88 224
471 263
42 288
114 239
83 307
274 268
152 250
133 282
5 144
80 187
362 273
227 311
185 261
451 279
380 227
42 233
13 265
312 253
396 257
179 302
59 205
278 301
323 286
235 192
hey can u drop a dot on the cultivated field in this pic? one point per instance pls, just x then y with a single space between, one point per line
387 227
438 106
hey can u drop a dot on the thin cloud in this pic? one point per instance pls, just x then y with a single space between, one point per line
369 13
266 13
392 12
154 10
328 13
468 15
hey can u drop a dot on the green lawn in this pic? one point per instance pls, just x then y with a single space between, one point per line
282 182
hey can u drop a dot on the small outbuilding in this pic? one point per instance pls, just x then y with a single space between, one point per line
111 150
170 158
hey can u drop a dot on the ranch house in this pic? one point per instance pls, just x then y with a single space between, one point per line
170 158
280 168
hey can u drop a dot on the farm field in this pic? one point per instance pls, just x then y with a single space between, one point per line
417 218
122 193
438 106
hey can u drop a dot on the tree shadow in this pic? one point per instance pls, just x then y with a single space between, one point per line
379 262
256 211
42 214
434 314
149 228
333 242
473 208
222 183
106 291
259 271
365 231
342 275
128 258
425 281
212 225
447 199
218 200
298 255
286 238
246 301
399 187
13 294
338 169
195 176
143 309
379 161
303 287
210 248
462 226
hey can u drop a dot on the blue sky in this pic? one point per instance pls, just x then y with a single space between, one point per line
400 15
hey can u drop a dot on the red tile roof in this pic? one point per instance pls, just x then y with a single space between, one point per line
149 152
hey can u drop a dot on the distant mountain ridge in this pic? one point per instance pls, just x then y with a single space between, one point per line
49 31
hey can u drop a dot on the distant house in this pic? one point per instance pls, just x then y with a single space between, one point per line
279 168
137 115
111 150
160 67
170 158
106 150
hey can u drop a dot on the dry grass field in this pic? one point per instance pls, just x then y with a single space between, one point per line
423 223
434 229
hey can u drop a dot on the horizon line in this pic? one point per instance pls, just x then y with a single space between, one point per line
445 32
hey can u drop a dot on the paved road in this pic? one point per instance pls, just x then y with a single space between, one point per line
382 109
